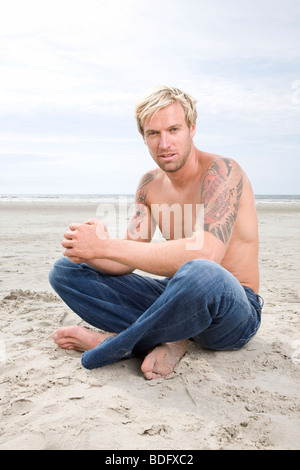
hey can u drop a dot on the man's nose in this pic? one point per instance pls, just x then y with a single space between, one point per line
164 142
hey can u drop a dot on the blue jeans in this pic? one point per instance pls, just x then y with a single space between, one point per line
203 301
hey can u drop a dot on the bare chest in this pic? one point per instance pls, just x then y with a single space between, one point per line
177 219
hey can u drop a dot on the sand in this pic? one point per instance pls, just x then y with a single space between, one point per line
246 399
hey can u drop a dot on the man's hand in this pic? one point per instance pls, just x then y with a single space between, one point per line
82 239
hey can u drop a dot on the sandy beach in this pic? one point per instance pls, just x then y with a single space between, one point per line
248 399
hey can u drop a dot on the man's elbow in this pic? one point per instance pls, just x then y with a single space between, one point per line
205 246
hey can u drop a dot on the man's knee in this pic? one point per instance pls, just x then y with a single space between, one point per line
202 275
197 267
59 272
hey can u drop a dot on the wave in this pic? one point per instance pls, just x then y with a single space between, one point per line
97 198
78 198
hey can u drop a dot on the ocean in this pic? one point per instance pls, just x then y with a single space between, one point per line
95 198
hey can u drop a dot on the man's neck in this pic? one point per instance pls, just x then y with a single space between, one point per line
183 177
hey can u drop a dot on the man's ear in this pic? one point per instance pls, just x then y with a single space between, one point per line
193 130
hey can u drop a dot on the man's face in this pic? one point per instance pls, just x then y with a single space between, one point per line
168 137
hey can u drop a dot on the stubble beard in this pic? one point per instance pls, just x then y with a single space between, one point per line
166 167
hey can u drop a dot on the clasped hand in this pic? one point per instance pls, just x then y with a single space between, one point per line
82 241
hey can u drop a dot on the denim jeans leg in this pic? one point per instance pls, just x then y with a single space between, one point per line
202 301
111 303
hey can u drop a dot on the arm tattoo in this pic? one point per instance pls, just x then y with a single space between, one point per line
135 223
141 202
221 191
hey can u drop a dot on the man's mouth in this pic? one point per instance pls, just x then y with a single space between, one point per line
167 156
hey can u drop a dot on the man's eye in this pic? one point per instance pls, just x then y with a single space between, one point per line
174 129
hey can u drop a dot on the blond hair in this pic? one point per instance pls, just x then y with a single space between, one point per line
161 97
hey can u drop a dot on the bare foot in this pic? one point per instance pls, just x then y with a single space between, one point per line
78 338
163 359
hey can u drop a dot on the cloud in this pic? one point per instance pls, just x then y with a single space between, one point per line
71 72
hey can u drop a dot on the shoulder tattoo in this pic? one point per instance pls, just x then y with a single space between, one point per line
142 189
141 202
221 192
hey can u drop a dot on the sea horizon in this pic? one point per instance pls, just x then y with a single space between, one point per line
114 197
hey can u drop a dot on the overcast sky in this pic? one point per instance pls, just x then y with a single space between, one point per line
72 70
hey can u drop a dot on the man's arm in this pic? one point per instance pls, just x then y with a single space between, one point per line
221 193
140 229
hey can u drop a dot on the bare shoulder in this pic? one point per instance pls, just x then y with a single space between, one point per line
224 168
222 175
144 186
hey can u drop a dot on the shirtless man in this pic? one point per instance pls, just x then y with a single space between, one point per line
209 289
